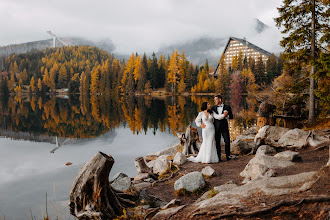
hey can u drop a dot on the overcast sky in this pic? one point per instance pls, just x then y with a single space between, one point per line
141 26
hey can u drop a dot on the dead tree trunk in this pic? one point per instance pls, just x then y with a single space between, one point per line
91 195
190 140
141 166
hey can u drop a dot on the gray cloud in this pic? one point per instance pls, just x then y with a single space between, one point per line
136 25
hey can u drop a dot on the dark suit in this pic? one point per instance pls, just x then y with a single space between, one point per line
221 129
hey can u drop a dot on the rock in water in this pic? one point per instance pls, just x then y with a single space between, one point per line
190 182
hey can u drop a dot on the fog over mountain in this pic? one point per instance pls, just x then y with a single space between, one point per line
197 50
141 26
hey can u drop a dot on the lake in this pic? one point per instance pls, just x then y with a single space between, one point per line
32 165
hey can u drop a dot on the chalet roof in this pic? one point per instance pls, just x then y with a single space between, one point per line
251 45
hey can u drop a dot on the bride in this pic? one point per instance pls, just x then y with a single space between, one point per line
208 151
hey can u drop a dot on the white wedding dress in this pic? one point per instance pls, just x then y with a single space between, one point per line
208 151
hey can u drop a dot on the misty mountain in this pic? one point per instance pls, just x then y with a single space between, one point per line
106 45
198 50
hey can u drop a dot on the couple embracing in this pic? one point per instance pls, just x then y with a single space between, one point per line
214 124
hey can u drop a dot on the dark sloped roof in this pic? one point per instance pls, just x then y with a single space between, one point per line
256 48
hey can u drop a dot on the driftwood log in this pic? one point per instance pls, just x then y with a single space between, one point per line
91 195
190 141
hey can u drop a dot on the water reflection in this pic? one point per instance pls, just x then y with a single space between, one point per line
34 117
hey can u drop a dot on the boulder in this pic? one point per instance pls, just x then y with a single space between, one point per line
151 163
119 175
141 176
179 159
208 171
161 165
172 203
265 149
315 140
295 138
170 151
269 134
241 147
167 213
122 184
142 185
263 166
250 131
145 198
273 186
289 155
211 193
190 182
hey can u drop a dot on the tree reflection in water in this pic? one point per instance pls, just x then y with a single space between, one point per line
89 116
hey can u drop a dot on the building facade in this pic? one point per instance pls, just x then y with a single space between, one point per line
235 46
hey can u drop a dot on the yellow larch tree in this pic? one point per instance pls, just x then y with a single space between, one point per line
32 85
173 70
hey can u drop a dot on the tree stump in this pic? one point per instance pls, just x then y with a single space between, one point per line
91 195
141 166
190 140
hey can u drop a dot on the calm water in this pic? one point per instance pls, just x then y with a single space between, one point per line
125 127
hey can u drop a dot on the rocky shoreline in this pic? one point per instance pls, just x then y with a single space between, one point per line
273 167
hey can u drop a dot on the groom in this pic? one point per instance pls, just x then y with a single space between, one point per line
221 125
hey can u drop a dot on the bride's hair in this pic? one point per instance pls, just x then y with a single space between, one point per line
204 107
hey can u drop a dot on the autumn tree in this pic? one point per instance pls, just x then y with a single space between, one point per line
306 26
173 72
259 72
39 85
33 85
62 77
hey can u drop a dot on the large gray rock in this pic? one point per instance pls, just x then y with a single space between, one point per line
250 131
151 163
119 175
263 166
167 213
272 186
141 176
190 182
122 184
288 155
208 171
241 147
315 140
145 198
264 150
168 151
211 193
179 159
269 134
295 138
142 185
161 165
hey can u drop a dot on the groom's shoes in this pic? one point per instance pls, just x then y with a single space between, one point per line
230 157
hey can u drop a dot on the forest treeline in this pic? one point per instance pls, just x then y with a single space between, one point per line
89 70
